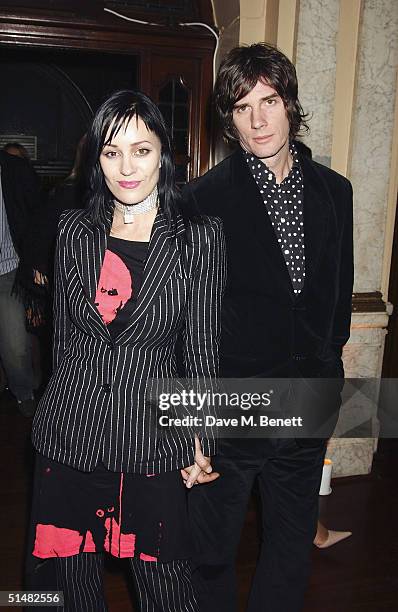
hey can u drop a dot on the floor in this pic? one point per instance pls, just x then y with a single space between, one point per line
358 575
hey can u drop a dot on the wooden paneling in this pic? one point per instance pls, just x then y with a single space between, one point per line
160 51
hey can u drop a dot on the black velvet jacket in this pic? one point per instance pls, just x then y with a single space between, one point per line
266 329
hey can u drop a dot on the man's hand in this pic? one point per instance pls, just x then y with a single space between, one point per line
201 471
40 279
34 320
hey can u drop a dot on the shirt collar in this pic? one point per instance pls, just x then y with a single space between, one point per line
293 151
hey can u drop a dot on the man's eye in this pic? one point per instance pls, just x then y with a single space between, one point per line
241 109
270 102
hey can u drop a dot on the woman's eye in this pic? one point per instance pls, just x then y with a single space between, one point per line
142 152
110 154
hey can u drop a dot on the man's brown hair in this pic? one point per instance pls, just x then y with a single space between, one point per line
240 71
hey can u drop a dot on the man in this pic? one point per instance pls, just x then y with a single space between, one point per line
286 313
18 199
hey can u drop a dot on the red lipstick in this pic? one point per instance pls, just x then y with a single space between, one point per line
129 184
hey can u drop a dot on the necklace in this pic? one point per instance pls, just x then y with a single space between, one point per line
149 203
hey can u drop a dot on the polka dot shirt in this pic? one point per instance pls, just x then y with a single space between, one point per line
284 204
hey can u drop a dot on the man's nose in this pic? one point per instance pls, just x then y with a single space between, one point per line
258 118
127 165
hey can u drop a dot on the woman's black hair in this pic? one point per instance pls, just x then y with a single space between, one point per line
113 115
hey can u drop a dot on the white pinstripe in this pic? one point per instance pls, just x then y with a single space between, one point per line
78 423
161 587
164 587
81 579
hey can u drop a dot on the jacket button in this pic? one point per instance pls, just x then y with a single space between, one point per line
107 387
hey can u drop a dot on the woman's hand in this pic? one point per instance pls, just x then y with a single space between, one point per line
201 471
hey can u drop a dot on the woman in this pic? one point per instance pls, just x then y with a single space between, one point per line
131 273
325 538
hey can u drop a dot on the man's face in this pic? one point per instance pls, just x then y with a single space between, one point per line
261 121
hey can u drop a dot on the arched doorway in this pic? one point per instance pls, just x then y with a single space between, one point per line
162 55
51 97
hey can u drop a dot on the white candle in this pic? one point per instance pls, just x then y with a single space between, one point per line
325 488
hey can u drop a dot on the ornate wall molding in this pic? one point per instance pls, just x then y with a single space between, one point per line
368 302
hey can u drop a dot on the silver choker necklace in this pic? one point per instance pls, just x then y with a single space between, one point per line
146 205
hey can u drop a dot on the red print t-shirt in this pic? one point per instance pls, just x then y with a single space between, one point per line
120 282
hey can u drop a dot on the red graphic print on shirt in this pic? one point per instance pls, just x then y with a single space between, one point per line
114 287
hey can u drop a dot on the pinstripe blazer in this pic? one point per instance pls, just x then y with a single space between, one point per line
94 408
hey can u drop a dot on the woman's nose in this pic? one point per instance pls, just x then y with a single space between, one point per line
127 165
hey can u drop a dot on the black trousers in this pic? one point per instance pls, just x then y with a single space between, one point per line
288 477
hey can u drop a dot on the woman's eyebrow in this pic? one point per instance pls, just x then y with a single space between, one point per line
133 144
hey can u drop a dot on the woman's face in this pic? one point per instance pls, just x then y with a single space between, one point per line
131 162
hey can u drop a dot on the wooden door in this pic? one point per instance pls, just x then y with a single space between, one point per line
180 87
174 63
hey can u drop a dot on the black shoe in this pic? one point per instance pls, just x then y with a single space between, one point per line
27 407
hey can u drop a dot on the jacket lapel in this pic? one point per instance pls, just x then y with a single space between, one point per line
89 255
317 203
253 207
316 214
162 258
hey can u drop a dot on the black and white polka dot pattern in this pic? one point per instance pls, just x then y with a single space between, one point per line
284 204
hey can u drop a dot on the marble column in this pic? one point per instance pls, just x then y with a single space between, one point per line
370 174
368 169
372 137
316 70
362 359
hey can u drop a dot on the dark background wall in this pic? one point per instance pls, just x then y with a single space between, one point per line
52 94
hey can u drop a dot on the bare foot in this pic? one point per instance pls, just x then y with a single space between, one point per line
322 534
327 537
